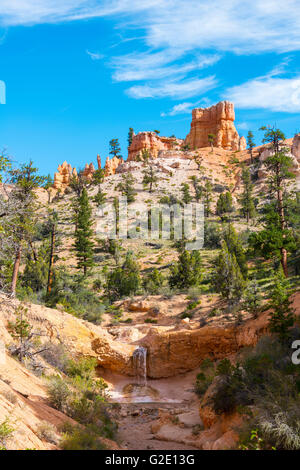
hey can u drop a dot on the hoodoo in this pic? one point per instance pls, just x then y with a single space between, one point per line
219 121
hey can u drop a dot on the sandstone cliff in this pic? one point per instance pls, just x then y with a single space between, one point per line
217 120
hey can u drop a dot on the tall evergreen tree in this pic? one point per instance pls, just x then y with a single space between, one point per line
98 178
246 200
251 144
114 148
130 136
282 314
126 186
235 247
25 180
150 178
207 198
227 276
84 244
186 196
252 299
276 235
224 204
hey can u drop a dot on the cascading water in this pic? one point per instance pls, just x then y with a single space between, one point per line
140 365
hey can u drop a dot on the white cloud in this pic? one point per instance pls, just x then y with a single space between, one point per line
158 65
181 108
173 89
250 26
176 36
95 55
275 94
243 126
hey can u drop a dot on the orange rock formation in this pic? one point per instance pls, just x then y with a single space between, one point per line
111 165
217 120
63 176
152 142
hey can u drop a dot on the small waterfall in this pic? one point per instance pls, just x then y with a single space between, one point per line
140 365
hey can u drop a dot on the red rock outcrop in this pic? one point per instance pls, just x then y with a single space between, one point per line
217 120
152 142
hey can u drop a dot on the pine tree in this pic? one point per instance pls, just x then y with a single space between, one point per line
227 277
251 144
25 181
235 247
125 280
197 188
282 314
84 244
276 236
186 197
246 200
48 186
114 148
187 272
98 178
224 204
130 136
153 281
207 198
252 299
150 178
126 186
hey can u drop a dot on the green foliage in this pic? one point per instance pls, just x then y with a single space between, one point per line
73 293
250 143
130 136
227 277
224 204
211 140
6 431
187 272
150 178
114 148
212 235
153 281
78 438
246 200
282 314
20 329
207 198
235 247
252 298
186 196
126 186
125 280
84 244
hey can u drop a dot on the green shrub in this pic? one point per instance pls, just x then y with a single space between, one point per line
79 438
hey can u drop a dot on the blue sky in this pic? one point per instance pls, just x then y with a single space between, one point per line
81 72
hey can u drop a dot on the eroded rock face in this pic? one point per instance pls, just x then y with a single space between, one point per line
111 165
217 120
153 143
65 173
175 352
63 176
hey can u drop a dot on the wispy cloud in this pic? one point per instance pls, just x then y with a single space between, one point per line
177 37
186 107
181 108
95 55
173 89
